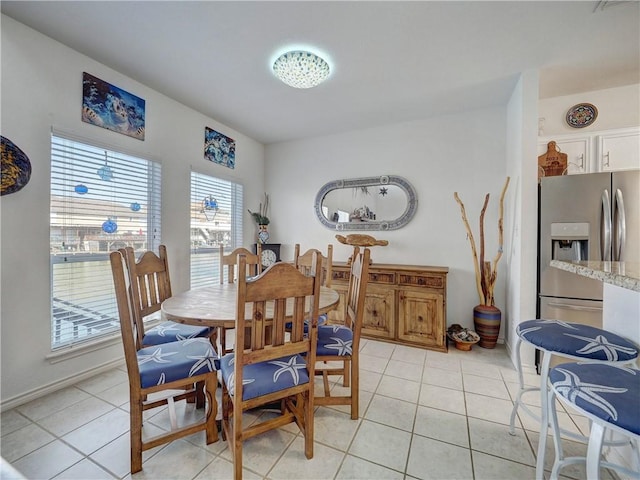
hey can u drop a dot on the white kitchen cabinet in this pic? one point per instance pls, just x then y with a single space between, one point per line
603 151
618 150
578 150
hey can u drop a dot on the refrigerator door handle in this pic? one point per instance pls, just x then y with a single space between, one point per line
580 308
621 227
605 227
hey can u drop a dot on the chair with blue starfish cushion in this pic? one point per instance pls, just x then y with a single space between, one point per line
341 343
151 285
609 396
228 267
573 341
275 365
170 368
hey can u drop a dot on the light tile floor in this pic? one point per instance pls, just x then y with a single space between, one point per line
424 415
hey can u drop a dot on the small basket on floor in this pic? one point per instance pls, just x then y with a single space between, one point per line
463 338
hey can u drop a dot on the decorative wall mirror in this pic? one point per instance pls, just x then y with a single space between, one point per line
371 203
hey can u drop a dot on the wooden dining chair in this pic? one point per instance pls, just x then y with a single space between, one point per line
150 285
229 266
341 343
169 368
275 366
303 262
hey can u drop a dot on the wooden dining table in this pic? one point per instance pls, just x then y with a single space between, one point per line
215 306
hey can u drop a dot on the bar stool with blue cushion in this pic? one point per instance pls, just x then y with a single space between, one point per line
609 396
569 340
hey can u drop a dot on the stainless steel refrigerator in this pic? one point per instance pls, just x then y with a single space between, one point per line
584 217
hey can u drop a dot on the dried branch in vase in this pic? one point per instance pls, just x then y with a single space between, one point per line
486 271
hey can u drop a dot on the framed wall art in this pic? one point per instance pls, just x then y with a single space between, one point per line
219 148
110 107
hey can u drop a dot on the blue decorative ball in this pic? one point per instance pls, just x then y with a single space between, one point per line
109 226
81 189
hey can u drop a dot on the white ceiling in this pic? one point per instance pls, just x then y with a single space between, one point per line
391 61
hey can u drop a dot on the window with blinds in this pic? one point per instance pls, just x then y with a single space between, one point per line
216 219
101 200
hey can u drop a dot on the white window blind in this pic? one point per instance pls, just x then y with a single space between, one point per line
101 200
216 219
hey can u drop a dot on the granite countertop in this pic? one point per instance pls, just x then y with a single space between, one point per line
621 274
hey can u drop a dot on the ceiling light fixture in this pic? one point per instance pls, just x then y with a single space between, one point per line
301 69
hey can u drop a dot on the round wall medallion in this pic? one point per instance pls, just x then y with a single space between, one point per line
582 115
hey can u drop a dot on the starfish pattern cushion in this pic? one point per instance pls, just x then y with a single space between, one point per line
265 377
608 392
173 331
334 340
577 340
167 362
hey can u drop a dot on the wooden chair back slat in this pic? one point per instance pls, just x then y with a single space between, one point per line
279 288
150 283
128 325
303 262
228 264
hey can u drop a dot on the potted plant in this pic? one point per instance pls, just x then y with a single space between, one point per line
262 220
486 316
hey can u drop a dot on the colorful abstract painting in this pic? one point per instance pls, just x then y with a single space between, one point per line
219 148
110 107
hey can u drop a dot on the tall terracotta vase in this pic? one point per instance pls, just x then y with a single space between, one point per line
486 320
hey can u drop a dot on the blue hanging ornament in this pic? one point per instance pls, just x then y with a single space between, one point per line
209 207
105 173
135 207
81 189
109 226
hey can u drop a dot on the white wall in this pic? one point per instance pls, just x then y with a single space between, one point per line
41 89
617 108
464 153
521 222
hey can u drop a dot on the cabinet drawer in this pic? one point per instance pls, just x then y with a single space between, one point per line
340 275
432 281
388 278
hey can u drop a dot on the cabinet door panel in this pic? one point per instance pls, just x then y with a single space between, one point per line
577 150
619 151
379 313
420 318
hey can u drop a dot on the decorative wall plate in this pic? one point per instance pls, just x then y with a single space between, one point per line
582 115
16 168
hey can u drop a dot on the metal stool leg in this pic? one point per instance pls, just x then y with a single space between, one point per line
594 450
544 415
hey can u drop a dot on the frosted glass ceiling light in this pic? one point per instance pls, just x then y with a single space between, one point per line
300 69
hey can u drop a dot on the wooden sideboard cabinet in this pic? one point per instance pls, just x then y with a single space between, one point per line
404 303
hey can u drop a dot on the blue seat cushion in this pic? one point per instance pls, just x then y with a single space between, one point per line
322 319
173 331
608 392
583 341
265 377
172 361
334 340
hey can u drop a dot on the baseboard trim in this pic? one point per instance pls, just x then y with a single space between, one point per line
28 396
